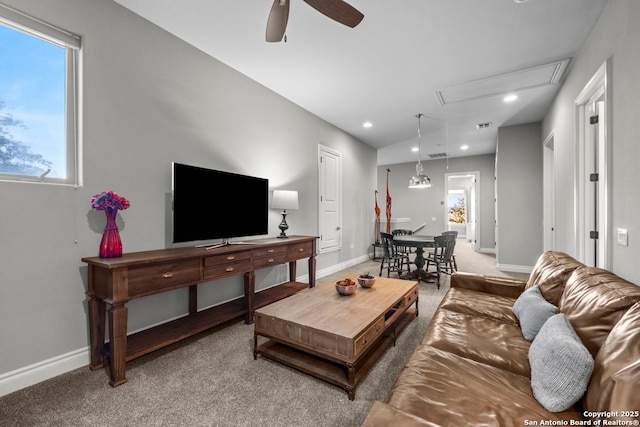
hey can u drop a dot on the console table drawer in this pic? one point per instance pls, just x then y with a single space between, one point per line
369 336
161 277
299 251
268 252
268 261
216 260
218 266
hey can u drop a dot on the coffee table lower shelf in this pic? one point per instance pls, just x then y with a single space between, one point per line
335 372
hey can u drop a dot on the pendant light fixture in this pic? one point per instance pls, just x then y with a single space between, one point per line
419 180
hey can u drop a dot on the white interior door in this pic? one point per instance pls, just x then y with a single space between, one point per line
330 203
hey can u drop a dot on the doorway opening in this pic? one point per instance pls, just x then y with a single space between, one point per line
461 206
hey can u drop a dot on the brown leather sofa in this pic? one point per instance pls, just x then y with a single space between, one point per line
472 368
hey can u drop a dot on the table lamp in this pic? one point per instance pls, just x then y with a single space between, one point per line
284 199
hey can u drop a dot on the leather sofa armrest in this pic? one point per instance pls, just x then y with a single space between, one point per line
502 286
383 415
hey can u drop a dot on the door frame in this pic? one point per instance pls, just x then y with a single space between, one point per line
549 192
599 87
475 182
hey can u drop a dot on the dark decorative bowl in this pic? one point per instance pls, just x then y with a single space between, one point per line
366 282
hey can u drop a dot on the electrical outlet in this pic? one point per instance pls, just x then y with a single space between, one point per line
623 237
433 218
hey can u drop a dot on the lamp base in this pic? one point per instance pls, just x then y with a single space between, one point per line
283 226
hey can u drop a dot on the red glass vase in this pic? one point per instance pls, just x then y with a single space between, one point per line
110 245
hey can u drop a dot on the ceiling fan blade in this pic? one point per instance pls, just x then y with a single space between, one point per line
337 10
277 23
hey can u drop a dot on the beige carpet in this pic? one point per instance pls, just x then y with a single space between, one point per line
212 380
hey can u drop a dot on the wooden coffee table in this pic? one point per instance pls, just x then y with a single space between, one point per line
333 337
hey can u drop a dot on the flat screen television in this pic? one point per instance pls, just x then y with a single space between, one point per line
212 204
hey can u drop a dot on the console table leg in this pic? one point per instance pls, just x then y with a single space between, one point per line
97 311
312 270
117 315
193 299
249 291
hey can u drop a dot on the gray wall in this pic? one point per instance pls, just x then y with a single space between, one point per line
615 36
519 197
150 99
421 205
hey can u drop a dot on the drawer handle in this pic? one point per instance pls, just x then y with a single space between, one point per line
301 250
270 260
167 275
270 251
229 269
230 258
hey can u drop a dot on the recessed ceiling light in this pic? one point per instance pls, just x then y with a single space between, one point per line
520 1
510 98
414 149
464 147
367 124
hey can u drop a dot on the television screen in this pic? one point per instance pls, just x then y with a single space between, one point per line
211 204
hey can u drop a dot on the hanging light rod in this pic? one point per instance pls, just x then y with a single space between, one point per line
419 180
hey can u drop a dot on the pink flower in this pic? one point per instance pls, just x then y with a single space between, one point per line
109 200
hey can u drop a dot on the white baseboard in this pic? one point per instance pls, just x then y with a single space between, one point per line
515 268
487 250
41 371
335 268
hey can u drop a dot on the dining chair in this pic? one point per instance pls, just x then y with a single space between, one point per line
440 258
404 250
391 257
454 263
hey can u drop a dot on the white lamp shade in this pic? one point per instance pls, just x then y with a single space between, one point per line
284 199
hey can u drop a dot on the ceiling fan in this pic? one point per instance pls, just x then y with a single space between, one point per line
337 10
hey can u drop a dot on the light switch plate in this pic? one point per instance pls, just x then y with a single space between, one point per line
623 237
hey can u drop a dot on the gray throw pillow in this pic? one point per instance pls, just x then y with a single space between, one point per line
532 310
561 366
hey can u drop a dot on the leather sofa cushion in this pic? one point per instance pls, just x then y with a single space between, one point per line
615 379
551 273
503 286
594 300
447 389
478 303
481 339
383 415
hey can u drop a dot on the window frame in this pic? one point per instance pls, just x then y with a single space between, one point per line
34 27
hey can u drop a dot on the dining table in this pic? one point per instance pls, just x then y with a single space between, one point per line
419 242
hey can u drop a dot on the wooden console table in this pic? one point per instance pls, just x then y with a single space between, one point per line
115 281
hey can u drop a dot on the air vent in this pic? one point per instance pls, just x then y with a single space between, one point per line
483 125
438 155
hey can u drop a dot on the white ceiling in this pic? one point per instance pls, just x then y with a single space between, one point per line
406 57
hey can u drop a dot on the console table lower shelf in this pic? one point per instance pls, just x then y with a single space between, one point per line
307 333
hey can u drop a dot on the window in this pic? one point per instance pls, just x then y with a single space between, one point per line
38 100
456 204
